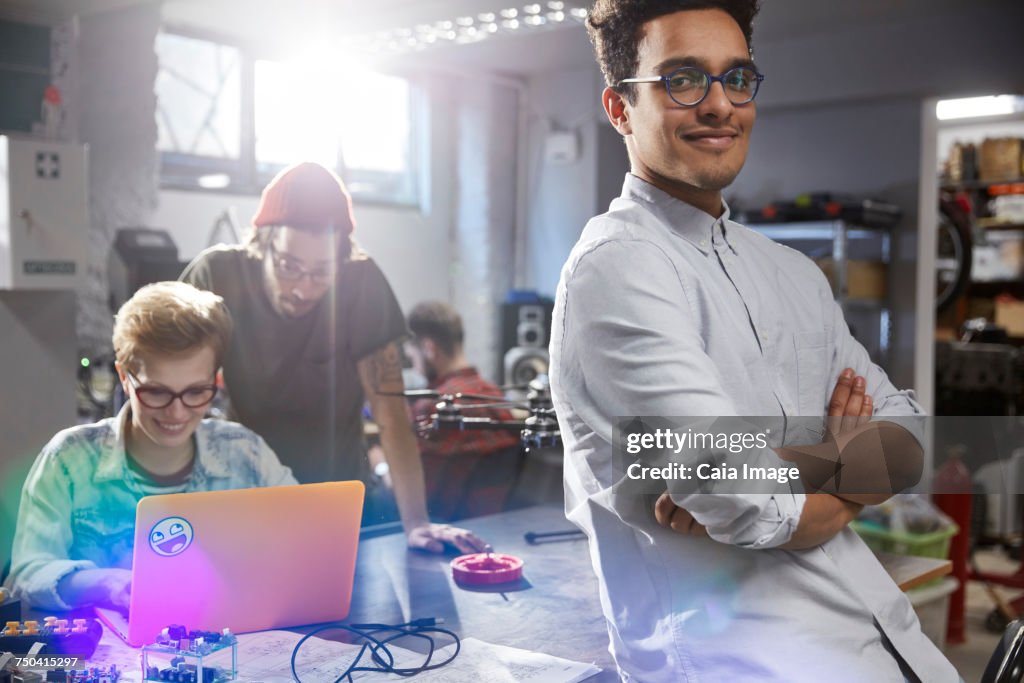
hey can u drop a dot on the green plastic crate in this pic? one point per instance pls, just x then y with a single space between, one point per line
933 544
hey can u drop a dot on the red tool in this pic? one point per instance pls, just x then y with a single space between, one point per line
484 569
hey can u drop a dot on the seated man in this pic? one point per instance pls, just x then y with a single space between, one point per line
468 473
76 523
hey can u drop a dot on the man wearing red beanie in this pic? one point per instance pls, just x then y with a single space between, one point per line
317 329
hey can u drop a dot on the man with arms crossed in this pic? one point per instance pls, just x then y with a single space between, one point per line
666 307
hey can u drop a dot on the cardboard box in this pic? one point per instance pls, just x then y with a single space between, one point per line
864 279
1000 159
1010 314
1001 259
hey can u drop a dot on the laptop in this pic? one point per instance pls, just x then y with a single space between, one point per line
244 559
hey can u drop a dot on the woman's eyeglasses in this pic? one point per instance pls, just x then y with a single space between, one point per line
160 397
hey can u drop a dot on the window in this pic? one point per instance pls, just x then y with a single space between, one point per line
229 120
199 98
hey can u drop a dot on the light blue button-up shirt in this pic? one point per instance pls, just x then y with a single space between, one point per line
78 503
664 310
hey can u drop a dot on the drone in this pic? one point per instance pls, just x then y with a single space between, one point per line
538 430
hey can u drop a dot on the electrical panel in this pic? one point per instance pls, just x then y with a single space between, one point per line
44 214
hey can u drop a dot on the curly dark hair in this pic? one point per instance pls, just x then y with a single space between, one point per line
614 29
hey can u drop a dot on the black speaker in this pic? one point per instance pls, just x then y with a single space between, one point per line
138 257
525 334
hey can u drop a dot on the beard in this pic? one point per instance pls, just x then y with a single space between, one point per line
714 177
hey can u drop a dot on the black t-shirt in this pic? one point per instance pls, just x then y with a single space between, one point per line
294 381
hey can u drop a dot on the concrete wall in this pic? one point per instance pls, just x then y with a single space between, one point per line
116 117
483 236
37 336
561 197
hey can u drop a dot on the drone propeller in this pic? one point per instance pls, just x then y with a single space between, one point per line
501 404
429 393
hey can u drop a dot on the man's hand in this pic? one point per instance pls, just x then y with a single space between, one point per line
849 407
433 537
676 518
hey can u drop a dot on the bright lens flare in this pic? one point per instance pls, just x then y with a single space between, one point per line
310 107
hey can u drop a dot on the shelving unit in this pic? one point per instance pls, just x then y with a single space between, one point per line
991 234
936 140
837 239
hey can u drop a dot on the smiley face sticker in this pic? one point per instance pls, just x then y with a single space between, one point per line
170 536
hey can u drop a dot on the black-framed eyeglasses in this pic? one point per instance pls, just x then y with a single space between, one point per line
290 271
689 85
160 397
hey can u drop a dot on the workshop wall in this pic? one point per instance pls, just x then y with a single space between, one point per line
483 239
116 70
561 195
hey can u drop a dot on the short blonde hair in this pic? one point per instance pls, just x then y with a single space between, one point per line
167 318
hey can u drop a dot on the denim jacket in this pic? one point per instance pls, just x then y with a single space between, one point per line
78 503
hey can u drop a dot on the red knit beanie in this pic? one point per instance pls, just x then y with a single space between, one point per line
306 196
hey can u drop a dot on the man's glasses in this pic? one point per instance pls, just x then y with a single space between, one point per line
159 397
688 85
290 271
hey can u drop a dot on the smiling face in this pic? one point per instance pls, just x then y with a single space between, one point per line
298 269
689 152
169 429
170 536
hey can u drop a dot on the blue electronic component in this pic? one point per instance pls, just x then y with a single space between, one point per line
189 656
95 674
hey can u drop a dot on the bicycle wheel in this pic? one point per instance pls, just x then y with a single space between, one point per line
953 255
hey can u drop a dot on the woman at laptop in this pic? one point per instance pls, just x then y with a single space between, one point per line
73 544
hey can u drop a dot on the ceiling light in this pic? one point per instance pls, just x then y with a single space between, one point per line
466 29
970 107
214 181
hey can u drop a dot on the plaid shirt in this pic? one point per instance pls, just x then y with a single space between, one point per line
459 481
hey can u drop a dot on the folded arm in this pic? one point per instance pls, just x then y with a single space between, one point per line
633 347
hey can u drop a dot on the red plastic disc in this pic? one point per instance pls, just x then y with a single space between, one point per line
481 569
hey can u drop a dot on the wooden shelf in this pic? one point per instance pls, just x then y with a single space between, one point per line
993 288
977 184
998 226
